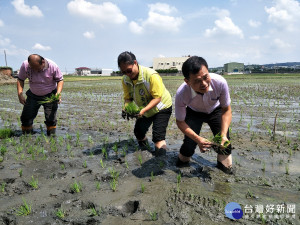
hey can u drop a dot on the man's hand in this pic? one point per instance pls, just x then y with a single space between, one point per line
141 113
203 144
22 99
59 100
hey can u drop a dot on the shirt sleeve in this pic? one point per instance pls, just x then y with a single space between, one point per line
58 75
22 72
225 95
180 107
126 94
156 86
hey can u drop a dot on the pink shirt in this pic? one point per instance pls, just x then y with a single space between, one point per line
44 82
218 95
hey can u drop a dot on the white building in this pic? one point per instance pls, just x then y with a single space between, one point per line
165 63
83 71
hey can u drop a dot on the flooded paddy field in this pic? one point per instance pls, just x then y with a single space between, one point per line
93 171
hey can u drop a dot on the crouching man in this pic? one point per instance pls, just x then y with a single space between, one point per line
45 79
203 98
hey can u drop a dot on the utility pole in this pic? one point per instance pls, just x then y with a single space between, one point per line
5 58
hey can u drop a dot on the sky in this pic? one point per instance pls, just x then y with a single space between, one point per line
92 33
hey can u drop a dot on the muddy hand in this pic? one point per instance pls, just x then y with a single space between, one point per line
204 145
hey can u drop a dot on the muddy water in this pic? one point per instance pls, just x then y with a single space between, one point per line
147 190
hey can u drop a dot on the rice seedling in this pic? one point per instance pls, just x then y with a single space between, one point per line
6 133
126 164
84 165
76 187
152 176
101 163
140 159
20 171
24 209
98 186
60 213
62 166
153 216
90 140
114 182
33 183
3 187
263 166
142 187
115 148
51 99
287 169
92 212
3 150
104 152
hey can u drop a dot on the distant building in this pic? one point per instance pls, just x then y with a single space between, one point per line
106 72
234 68
83 71
165 63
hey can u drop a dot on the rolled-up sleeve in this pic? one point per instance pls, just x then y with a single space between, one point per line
22 72
225 99
180 107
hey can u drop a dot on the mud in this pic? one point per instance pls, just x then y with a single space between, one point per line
122 184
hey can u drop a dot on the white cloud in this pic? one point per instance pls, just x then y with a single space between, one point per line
159 19
89 35
162 8
106 12
278 43
1 23
41 47
26 10
254 23
135 28
285 14
224 26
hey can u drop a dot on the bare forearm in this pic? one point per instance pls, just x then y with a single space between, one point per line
60 85
187 130
20 86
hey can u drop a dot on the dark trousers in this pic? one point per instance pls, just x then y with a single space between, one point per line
32 106
195 121
160 122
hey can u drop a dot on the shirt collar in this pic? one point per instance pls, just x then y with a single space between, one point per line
194 93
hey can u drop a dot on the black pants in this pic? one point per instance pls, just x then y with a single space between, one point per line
195 121
32 106
160 122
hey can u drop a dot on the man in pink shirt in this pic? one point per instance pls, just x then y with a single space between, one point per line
45 79
203 98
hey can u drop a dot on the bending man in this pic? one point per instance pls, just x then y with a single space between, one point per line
45 79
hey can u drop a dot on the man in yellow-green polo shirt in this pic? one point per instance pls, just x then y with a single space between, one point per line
145 87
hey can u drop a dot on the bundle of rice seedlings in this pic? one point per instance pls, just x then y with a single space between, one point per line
52 98
217 140
132 109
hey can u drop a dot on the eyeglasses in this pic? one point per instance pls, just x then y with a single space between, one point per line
128 71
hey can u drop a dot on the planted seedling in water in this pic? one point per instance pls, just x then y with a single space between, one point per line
76 187
24 210
60 213
34 182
